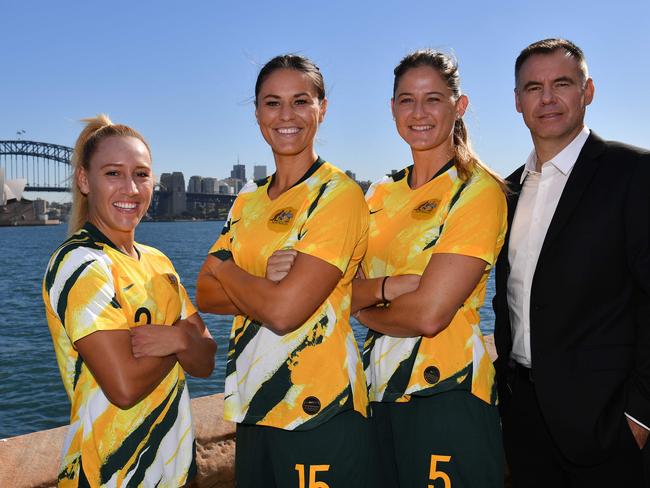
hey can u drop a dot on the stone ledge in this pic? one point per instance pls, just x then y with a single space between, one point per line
489 345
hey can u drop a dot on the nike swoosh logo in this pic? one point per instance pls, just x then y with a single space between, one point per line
127 288
375 211
228 225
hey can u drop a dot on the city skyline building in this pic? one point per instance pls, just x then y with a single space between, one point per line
238 171
236 184
173 201
40 209
259 172
224 188
209 185
203 197
195 184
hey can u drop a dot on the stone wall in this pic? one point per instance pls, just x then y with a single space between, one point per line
32 460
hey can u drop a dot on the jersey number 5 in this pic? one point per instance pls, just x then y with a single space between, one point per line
313 469
435 474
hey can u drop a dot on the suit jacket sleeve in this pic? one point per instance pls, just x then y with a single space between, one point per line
637 222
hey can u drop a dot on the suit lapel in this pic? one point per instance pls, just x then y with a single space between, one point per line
579 179
502 335
514 184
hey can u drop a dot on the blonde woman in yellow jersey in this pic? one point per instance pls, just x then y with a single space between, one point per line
283 266
436 228
130 419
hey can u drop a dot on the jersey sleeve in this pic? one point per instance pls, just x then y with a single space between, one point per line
221 248
336 222
187 307
476 223
83 298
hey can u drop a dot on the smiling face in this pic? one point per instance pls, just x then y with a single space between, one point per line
552 96
289 112
119 186
425 110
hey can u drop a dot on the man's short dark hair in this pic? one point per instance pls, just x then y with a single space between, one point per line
549 46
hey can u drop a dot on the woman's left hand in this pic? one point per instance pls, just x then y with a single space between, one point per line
280 263
156 340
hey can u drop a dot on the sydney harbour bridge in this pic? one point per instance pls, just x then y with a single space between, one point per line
46 168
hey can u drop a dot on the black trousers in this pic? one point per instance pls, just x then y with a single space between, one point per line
535 460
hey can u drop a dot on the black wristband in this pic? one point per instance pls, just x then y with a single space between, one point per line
222 254
383 291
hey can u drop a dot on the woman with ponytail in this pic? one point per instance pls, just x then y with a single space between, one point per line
130 419
436 228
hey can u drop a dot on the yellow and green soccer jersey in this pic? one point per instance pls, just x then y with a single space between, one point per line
446 215
299 380
91 286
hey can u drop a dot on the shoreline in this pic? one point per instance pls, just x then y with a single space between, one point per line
30 223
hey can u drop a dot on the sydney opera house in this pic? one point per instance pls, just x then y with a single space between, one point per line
16 210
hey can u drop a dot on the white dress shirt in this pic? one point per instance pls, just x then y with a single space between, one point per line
540 194
538 199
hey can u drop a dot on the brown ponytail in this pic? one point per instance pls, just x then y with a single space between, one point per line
466 159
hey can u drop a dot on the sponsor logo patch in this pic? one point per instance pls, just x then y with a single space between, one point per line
311 405
432 375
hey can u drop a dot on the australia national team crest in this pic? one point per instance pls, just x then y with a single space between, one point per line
425 210
282 219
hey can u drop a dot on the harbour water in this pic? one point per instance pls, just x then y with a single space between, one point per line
31 393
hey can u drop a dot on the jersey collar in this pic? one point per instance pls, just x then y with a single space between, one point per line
312 169
100 237
441 171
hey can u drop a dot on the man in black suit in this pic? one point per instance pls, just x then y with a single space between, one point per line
573 289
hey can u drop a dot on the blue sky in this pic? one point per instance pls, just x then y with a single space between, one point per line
182 73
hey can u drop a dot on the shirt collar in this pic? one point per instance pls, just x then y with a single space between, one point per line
564 160
312 169
409 171
100 237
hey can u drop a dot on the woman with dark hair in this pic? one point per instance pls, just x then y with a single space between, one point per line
283 266
436 228
130 420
